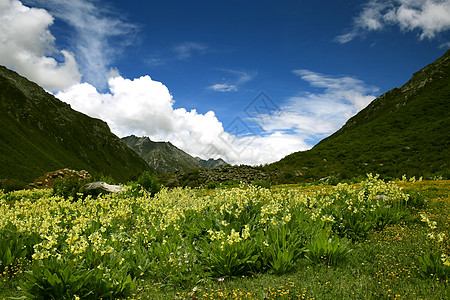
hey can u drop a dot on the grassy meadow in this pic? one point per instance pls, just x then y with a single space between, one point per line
369 240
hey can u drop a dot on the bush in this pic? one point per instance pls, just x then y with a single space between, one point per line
68 187
230 184
261 183
432 265
211 185
13 250
66 279
149 183
329 250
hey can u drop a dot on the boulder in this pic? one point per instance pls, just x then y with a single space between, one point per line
100 187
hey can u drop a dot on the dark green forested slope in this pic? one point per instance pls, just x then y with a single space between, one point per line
39 133
404 131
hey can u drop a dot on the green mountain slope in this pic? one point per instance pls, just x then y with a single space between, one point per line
404 131
162 156
39 133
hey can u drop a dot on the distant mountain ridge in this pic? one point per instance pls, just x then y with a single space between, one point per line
162 156
39 134
212 163
404 131
165 157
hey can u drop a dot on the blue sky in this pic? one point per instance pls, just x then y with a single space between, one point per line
248 81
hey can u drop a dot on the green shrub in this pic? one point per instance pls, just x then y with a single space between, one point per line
62 278
13 250
329 250
228 259
55 280
230 184
416 199
261 183
68 187
149 183
284 249
107 179
431 265
211 185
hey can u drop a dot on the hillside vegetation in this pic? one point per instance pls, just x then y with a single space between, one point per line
39 134
406 130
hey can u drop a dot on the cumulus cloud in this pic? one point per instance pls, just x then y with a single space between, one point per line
143 106
98 36
312 116
28 47
429 17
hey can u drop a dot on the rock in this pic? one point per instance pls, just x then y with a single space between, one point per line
325 179
47 180
102 187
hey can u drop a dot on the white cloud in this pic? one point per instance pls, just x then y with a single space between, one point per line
223 87
99 35
154 61
186 50
314 116
371 16
445 45
140 106
346 37
429 17
241 78
27 46
145 107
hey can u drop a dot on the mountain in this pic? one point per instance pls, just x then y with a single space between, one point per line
404 131
39 134
162 156
212 163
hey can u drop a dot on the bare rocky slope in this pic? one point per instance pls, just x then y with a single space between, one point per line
165 157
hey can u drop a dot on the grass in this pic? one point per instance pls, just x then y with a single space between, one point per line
40 134
401 132
383 266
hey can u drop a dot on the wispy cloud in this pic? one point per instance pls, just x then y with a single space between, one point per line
99 35
312 116
242 76
223 87
429 17
188 49
154 61
445 45
232 85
